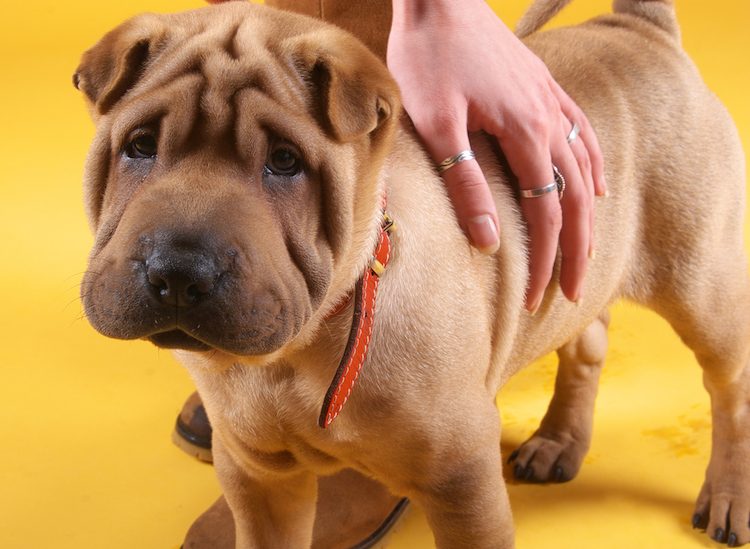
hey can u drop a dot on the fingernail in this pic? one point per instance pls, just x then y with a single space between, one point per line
483 233
533 310
592 253
604 185
606 193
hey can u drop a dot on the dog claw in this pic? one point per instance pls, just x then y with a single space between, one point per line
732 540
719 535
523 473
512 457
559 474
699 522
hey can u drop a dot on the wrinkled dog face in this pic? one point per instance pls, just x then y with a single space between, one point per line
233 182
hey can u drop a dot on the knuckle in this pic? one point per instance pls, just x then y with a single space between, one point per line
547 222
574 254
577 115
536 120
552 105
441 121
555 223
543 114
535 126
542 69
576 203
583 121
467 182
595 156
584 161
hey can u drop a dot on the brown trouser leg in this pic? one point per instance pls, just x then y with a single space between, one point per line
368 20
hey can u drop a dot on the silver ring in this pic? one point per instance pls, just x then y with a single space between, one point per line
451 161
539 191
558 184
573 135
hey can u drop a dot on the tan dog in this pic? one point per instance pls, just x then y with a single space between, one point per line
235 188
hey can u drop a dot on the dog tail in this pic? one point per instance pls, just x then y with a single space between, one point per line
659 12
537 15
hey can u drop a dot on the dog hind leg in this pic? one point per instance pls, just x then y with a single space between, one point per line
713 319
556 450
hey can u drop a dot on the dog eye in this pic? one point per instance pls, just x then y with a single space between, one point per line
283 161
141 146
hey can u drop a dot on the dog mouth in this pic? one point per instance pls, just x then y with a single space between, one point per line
177 339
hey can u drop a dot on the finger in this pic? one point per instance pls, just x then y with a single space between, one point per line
587 135
590 173
578 148
576 215
466 185
589 139
544 220
581 155
592 245
529 158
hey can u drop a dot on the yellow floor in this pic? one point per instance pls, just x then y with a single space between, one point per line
85 421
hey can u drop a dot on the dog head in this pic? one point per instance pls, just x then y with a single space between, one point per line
233 185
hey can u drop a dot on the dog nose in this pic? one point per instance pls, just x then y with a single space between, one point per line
181 277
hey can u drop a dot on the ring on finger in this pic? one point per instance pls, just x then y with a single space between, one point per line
451 161
559 181
558 184
573 135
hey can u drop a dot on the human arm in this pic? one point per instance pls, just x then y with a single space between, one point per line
462 70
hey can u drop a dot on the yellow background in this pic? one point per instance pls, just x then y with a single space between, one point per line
85 421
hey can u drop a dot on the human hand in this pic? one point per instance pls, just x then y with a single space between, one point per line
460 68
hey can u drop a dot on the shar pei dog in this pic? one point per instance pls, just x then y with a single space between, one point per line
261 206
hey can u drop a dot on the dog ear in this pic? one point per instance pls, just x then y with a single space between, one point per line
352 92
114 65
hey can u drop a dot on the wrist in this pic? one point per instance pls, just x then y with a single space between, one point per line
414 13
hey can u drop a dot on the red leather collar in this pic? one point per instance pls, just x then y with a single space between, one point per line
355 353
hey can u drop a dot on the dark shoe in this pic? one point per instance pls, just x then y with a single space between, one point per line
364 507
192 430
353 512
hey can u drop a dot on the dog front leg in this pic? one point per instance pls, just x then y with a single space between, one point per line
556 450
464 497
270 510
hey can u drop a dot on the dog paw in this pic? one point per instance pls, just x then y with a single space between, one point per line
724 514
546 459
